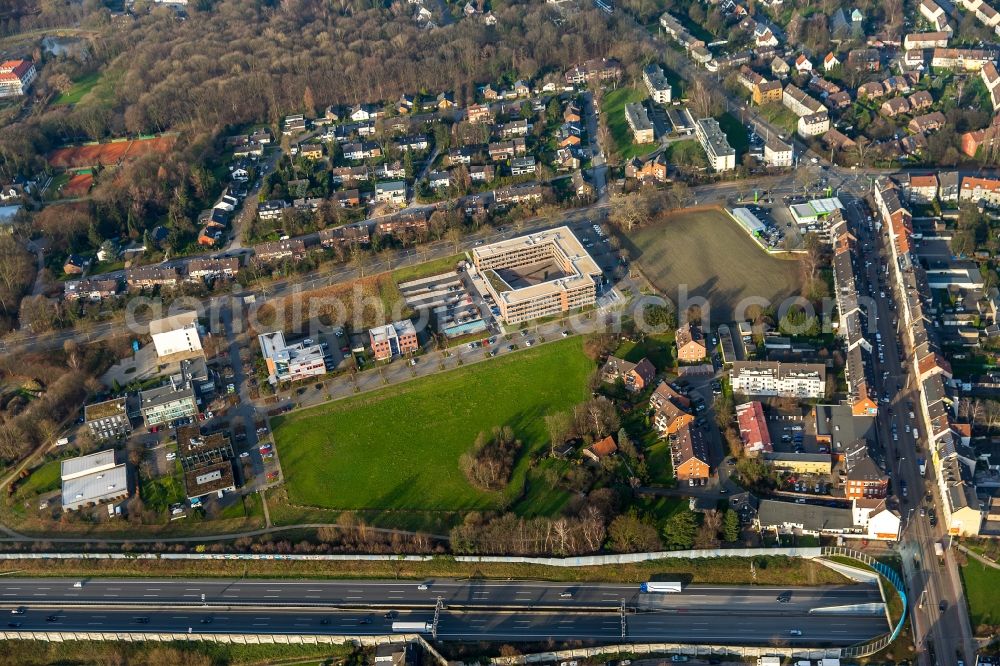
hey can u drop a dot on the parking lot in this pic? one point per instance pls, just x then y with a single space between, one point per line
602 248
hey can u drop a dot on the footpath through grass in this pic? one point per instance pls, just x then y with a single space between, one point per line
398 448
79 89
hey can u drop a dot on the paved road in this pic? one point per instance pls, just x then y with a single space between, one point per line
483 594
521 626
928 583
493 610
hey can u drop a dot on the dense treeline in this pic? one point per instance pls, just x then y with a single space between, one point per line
246 62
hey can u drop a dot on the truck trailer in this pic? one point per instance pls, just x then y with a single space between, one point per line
412 627
660 586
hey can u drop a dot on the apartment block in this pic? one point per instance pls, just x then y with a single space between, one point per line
793 380
721 156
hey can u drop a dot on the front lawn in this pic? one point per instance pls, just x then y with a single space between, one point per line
398 448
613 108
981 583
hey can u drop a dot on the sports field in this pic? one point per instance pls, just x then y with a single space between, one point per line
73 157
710 256
398 448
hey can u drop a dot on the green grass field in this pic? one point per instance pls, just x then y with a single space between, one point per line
712 257
613 109
659 349
736 133
398 448
79 89
981 583
42 480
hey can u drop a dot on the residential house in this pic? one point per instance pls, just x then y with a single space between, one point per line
522 166
75 265
601 449
689 455
866 60
479 113
347 198
920 100
351 234
803 65
571 114
871 90
445 100
311 151
147 277
669 414
414 224
926 40
800 103
921 189
349 175
518 195
779 68
838 140
514 128
292 248
294 124
970 60
777 153
767 92
635 376
930 122
690 342
204 268
582 188
948 186
814 124
481 174
594 70
439 180
830 61
721 156
934 15
991 78
894 107
362 150
393 192
985 191
753 428
649 169
91 289
272 209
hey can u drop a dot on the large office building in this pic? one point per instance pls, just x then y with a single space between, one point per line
721 156
289 363
792 380
92 479
395 339
176 335
538 275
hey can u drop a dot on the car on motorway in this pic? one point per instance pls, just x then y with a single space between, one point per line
422 586
390 615
142 620
794 632
52 618
365 620
206 620
245 454
325 621
678 658
20 610
784 597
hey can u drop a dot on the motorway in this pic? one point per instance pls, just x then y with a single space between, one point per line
391 594
471 610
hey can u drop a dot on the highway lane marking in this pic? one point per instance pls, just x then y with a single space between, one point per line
314 590
349 598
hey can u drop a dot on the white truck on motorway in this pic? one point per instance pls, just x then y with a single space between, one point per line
412 627
939 551
660 586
